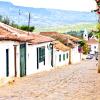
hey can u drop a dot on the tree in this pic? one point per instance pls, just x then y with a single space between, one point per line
27 28
98 33
6 20
1 18
84 46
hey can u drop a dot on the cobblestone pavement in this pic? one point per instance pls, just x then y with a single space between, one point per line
73 82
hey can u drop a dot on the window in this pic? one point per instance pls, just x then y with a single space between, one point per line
59 58
95 47
42 54
64 57
67 55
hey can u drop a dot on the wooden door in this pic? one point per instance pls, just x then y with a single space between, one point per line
22 60
7 62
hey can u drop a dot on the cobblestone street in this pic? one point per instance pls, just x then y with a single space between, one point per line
73 82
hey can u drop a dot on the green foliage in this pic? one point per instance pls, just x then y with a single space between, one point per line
98 32
67 28
82 43
90 34
84 46
1 18
85 49
7 21
98 26
26 28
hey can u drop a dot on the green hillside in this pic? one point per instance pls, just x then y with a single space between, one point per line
66 28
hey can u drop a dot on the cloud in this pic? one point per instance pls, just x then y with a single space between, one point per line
78 5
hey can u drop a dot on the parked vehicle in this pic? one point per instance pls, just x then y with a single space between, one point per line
89 56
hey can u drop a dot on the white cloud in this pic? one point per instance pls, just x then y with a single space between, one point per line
78 5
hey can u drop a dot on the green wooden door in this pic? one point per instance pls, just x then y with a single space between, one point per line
22 60
7 62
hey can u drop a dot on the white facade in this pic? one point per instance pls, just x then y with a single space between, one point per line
75 55
85 35
7 59
31 58
60 58
93 48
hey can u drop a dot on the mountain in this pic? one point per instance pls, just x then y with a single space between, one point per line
42 17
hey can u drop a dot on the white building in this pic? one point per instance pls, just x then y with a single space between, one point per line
39 54
93 46
22 53
9 61
75 56
91 41
85 35
67 40
60 54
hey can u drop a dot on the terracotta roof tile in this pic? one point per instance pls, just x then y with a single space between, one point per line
40 39
60 46
14 34
92 41
65 39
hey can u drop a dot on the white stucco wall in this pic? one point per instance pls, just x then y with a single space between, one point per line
3 46
93 49
85 35
56 58
32 58
75 55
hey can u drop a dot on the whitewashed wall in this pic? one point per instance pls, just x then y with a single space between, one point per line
3 46
93 49
85 35
56 58
75 55
32 58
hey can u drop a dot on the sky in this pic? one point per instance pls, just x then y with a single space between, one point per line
75 5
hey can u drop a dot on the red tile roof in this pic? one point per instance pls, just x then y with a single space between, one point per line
66 36
37 38
7 35
92 41
60 46
65 39
10 33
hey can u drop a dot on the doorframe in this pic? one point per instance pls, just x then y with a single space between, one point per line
15 60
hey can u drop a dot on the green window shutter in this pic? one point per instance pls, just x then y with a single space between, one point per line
67 55
59 58
64 57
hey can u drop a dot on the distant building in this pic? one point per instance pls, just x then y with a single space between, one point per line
69 41
85 35
91 41
93 46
